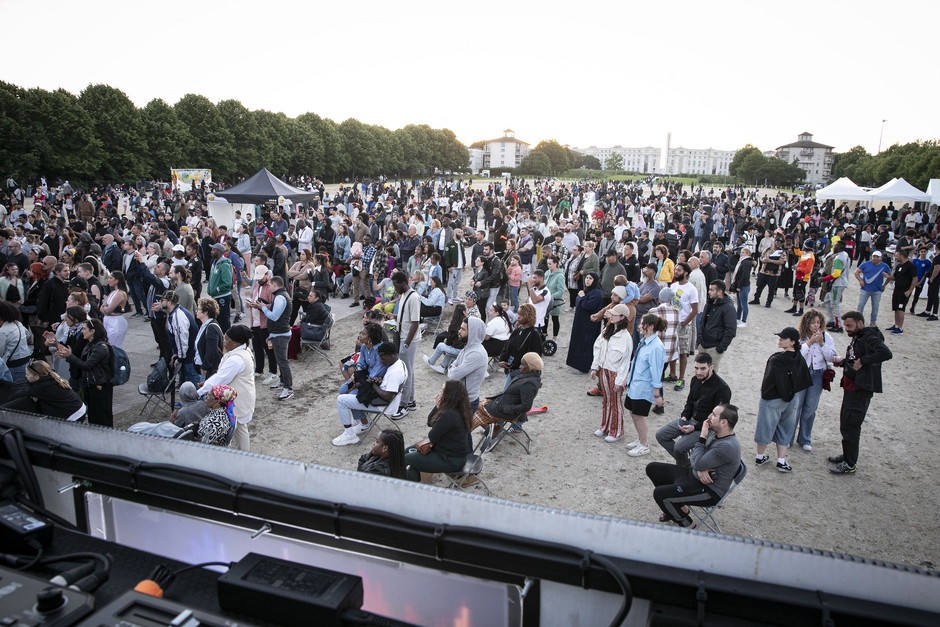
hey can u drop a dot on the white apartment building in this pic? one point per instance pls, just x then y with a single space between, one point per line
698 161
504 152
812 157
643 160
476 160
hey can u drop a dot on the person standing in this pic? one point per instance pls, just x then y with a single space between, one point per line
454 260
818 349
96 368
861 379
840 280
235 370
221 279
583 330
181 330
933 291
771 263
785 376
904 278
687 302
643 380
719 323
407 321
279 334
741 284
871 277
612 348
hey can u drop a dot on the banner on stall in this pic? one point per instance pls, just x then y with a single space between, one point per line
183 180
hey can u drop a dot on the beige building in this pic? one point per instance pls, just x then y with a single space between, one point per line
504 152
812 157
698 161
643 160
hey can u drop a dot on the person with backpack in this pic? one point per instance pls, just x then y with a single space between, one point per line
97 371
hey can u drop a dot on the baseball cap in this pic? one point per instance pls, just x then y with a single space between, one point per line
179 248
789 333
219 247
260 272
876 253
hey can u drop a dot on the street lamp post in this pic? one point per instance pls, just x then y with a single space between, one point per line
880 135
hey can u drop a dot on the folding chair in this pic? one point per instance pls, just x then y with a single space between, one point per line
378 412
319 346
707 513
472 468
496 432
155 400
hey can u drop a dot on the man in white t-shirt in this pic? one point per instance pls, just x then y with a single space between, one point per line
686 301
386 388
407 321
540 296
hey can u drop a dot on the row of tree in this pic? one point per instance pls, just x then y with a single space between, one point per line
100 135
916 163
751 166
549 158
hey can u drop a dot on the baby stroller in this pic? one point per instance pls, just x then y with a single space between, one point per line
549 346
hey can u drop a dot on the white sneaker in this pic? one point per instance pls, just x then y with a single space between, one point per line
345 439
286 393
599 433
258 375
434 367
634 444
362 428
268 380
807 447
277 386
611 439
741 325
639 450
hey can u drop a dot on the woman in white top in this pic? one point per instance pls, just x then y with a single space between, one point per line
818 350
236 371
498 329
612 349
114 321
153 253
304 236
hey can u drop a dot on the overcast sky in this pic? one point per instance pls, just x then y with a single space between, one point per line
715 74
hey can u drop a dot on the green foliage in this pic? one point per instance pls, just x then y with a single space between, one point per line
535 163
274 149
717 179
745 162
915 162
556 153
614 162
577 161
480 145
248 141
170 141
213 144
23 139
68 147
120 129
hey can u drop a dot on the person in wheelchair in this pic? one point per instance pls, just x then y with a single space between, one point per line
518 397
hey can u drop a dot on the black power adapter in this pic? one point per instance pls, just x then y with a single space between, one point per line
21 530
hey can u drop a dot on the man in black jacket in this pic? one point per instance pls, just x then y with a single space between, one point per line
706 391
861 378
719 322
51 302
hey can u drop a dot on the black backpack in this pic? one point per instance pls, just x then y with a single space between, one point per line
159 377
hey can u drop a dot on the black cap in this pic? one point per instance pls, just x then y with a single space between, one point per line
791 334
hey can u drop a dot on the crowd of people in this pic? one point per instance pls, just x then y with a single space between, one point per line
651 275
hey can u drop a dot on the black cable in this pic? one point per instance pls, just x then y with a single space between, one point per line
20 461
22 500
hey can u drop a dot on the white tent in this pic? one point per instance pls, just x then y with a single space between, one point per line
843 189
899 190
933 189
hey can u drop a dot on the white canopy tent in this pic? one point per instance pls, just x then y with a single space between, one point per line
898 190
842 189
933 190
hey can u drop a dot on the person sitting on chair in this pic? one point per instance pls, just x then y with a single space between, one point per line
219 421
386 457
384 391
519 395
716 458
450 424
312 327
498 329
433 304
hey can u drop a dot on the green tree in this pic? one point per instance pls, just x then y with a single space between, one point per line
450 153
480 145
120 129
247 139
23 140
745 162
307 153
360 147
170 143
842 161
213 144
409 150
614 163
274 149
333 159
71 149
556 153
578 161
536 163
391 156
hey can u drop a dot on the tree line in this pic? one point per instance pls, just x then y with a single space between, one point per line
100 135
915 162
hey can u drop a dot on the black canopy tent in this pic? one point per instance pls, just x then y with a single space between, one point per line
265 187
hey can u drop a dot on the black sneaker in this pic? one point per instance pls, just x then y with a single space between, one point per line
411 406
843 469
797 314
891 328
398 415
837 330
659 410
931 318
790 310
355 303
784 467
670 378
760 460
679 385
836 459
923 314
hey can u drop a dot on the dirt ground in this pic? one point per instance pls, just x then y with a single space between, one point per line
870 514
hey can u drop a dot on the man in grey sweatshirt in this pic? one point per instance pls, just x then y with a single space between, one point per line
470 365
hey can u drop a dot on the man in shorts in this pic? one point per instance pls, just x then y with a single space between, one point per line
686 300
904 277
